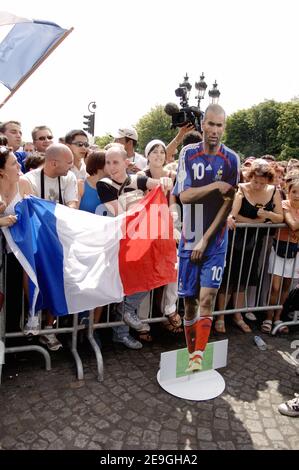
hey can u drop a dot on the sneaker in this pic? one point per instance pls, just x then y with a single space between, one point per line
128 341
291 407
32 326
52 343
250 316
195 364
134 322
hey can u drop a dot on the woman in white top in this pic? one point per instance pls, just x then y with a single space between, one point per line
155 152
13 186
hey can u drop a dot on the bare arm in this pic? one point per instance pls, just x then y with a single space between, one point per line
80 190
192 195
173 145
25 187
165 183
72 204
221 216
289 219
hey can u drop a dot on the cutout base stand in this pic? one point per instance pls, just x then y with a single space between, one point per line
197 386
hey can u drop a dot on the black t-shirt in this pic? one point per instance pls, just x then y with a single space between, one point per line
108 189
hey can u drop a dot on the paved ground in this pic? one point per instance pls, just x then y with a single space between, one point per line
129 410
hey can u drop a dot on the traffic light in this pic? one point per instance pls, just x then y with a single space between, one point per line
89 123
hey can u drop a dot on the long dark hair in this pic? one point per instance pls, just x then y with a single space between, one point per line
4 151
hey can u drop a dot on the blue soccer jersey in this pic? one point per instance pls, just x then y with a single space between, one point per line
197 169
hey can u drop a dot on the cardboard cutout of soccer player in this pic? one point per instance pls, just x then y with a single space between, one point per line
207 176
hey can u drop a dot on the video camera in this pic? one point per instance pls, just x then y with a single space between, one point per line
187 114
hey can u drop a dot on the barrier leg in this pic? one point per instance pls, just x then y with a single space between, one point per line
293 322
78 362
95 347
36 348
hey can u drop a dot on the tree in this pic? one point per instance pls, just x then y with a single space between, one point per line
269 127
103 140
288 130
154 125
238 132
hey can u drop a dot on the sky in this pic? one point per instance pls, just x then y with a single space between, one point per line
129 56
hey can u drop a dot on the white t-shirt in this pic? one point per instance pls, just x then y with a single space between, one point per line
80 174
68 184
139 160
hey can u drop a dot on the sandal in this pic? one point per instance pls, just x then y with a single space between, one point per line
174 323
219 326
145 337
243 326
283 330
266 326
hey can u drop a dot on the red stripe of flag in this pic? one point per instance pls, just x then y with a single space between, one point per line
147 254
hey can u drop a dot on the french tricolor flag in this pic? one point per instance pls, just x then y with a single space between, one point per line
77 261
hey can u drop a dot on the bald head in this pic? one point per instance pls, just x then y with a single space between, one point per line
213 126
56 151
116 163
58 160
215 109
117 150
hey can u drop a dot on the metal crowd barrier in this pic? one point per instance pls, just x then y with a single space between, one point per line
261 304
57 329
264 235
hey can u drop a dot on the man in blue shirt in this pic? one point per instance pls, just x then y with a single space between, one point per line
208 172
12 131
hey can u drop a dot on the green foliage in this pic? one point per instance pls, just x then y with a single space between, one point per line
103 140
267 128
154 125
288 130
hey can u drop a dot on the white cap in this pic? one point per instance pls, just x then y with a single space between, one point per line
152 144
128 132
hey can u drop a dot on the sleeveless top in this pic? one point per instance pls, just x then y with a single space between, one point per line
10 209
249 210
90 199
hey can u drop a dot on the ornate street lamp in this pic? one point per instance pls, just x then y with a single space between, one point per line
201 86
214 93
184 91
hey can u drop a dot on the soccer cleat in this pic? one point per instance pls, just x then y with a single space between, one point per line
195 363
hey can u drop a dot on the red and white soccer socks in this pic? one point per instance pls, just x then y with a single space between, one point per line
197 333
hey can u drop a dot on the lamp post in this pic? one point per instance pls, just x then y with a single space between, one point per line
201 87
214 93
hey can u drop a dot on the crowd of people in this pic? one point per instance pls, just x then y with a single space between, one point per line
208 191
215 192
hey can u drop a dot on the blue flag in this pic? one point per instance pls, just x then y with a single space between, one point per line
25 45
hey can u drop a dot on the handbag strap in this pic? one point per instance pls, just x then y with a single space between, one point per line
125 183
42 187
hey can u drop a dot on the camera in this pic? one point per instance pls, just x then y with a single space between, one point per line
186 114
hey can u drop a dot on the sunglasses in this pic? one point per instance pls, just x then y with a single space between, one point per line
45 137
81 144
